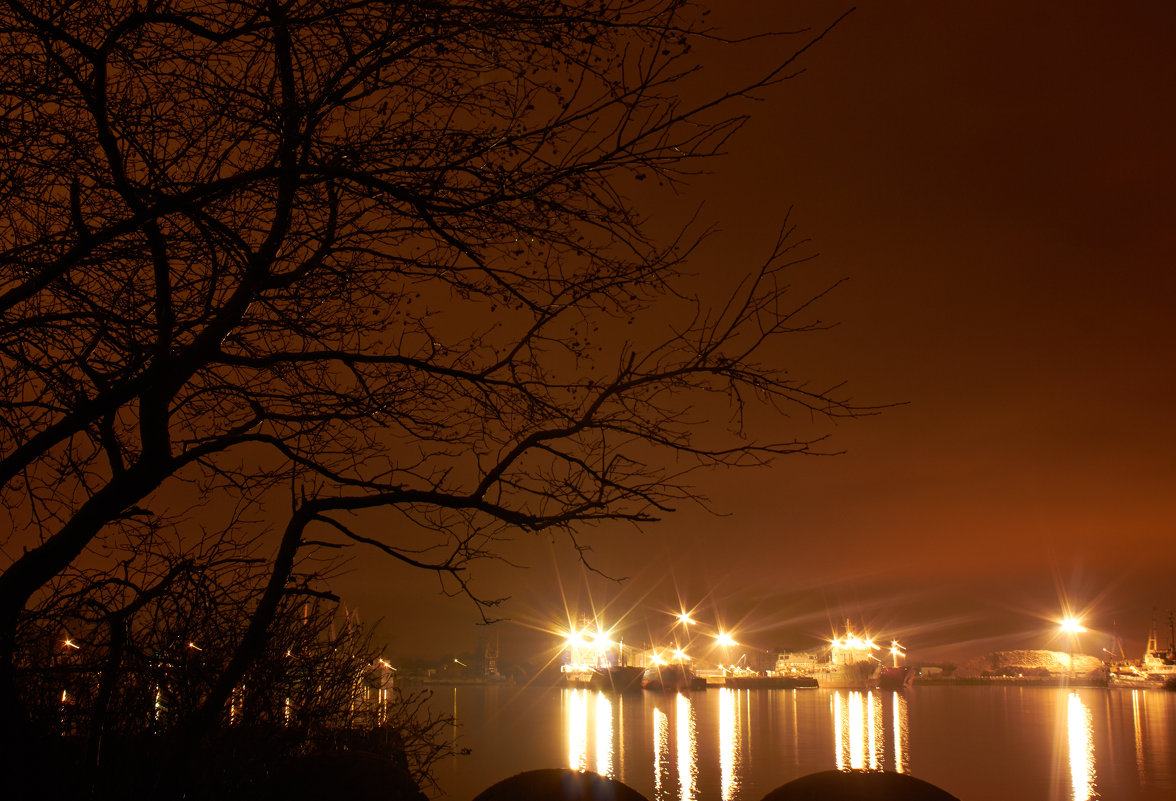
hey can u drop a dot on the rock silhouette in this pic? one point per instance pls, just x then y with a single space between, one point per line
559 784
554 784
835 785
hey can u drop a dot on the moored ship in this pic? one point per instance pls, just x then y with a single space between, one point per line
594 660
846 675
852 664
894 678
768 682
672 677
617 678
1157 669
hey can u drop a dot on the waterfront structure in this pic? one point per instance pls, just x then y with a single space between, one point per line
796 663
1157 668
851 665
594 659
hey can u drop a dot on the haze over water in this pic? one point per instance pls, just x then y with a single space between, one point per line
1011 743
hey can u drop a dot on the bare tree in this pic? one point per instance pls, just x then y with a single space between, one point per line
364 270
115 660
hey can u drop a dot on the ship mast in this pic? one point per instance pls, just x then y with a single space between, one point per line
1172 633
1152 645
1117 653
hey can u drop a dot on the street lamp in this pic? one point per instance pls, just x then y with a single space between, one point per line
1072 626
896 651
601 642
683 618
725 641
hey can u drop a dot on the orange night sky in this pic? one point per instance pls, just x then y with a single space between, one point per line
997 182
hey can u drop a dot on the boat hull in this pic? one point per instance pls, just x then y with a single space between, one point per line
895 678
1142 681
614 678
617 678
770 682
847 676
671 678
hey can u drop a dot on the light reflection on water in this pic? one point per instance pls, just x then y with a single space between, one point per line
902 733
661 751
576 715
604 735
581 728
860 722
1015 743
1138 730
687 735
1080 728
730 740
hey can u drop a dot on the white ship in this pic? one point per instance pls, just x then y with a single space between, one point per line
852 664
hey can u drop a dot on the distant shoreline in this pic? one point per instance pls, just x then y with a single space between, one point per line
948 681
1015 681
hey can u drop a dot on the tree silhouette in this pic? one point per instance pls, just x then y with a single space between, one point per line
115 660
360 272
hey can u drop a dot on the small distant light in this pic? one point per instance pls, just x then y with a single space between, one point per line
71 644
196 647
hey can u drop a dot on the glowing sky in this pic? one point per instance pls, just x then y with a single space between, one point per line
997 182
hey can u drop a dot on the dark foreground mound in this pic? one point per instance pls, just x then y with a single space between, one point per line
569 785
555 784
834 785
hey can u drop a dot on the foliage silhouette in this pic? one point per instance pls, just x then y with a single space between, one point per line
357 272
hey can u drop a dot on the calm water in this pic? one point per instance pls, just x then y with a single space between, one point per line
979 743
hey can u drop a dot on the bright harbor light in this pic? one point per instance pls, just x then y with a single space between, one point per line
1072 625
725 639
853 642
602 639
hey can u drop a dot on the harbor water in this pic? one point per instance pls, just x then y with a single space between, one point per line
1012 743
